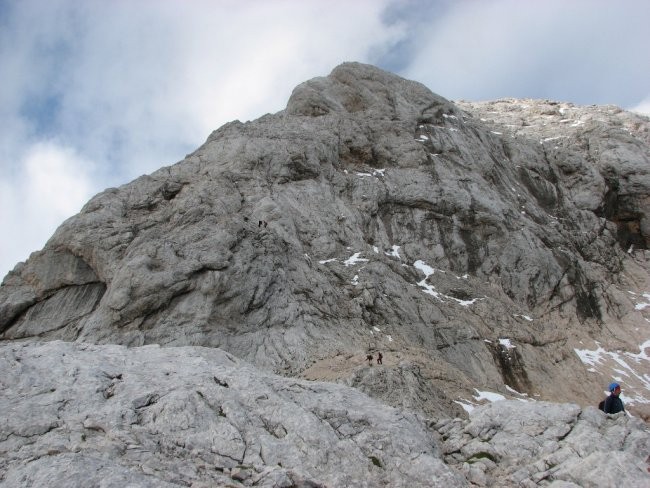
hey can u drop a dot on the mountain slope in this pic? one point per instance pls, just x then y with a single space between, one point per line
475 245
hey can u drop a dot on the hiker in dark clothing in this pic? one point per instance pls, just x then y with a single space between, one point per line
613 404
379 358
369 358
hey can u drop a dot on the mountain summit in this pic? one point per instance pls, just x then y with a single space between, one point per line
481 247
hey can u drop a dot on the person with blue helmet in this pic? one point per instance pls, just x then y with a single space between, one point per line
613 404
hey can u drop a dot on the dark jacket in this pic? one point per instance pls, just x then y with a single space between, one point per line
613 404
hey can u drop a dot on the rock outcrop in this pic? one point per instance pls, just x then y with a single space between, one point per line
106 415
476 245
512 444
86 415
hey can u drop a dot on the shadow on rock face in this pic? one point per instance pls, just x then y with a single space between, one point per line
511 367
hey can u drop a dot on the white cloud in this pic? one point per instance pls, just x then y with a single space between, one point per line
642 108
580 51
52 184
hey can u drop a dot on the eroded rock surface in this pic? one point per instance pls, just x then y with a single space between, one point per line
86 415
106 415
513 443
373 214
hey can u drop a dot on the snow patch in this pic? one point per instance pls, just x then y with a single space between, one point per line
635 367
376 173
424 267
525 317
468 407
354 259
488 395
394 252
644 305
431 290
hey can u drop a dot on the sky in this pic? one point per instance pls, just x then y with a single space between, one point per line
95 93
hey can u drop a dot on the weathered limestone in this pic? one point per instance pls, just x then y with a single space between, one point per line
84 415
394 220
513 443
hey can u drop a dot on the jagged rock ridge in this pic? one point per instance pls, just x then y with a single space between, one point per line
370 214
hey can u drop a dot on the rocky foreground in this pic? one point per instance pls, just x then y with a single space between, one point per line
106 415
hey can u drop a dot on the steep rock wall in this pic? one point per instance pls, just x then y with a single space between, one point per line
371 214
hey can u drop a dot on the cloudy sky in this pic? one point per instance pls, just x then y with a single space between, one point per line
94 93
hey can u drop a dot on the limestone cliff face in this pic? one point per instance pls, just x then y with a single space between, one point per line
475 245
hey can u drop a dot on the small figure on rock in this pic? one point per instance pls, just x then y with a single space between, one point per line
369 358
379 358
613 404
259 224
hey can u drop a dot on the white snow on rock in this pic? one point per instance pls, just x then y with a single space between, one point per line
394 252
643 305
431 290
354 259
424 267
489 396
632 370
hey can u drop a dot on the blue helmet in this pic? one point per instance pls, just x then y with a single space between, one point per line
613 386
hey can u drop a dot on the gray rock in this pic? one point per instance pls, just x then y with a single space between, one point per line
523 211
535 443
86 415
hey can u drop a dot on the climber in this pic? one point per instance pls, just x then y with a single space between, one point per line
379 358
613 404
369 358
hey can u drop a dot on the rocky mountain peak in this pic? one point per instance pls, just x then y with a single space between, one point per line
480 246
354 88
